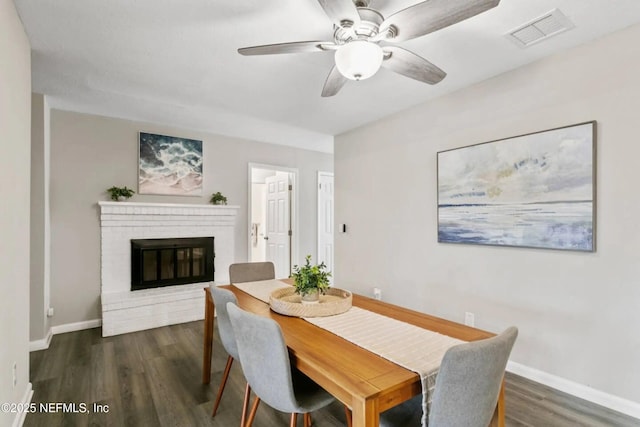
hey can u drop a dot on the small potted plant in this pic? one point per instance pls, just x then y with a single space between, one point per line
218 199
311 280
120 193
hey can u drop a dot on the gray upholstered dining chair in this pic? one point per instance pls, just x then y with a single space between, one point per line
238 273
251 272
265 362
220 299
467 386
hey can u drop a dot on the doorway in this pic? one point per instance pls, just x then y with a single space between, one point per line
272 216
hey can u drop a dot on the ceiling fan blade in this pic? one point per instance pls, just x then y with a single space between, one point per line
334 83
431 15
411 65
340 10
293 47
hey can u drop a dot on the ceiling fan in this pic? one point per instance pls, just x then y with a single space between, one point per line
362 37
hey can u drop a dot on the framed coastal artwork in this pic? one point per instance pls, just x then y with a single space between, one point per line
536 190
169 165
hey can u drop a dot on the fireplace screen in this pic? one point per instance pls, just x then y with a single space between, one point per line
164 262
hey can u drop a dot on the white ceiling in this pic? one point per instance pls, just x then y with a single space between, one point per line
175 62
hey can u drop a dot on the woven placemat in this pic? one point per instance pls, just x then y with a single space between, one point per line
286 301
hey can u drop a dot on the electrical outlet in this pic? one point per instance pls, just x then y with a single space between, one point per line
15 374
377 293
469 319
50 312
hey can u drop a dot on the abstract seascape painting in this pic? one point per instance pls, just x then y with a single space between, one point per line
169 165
536 190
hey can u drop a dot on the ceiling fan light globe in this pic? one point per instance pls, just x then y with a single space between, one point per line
358 60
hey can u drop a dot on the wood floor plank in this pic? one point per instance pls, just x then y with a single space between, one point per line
168 396
557 408
53 360
113 418
47 391
128 358
153 378
103 372
137 408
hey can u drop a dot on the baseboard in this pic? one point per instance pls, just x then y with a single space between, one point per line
42 344
18 421
78 326
598 397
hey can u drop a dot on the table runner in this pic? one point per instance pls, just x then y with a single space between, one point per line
412 347
261 289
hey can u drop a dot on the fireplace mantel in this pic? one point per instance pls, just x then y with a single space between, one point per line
159 211
120 222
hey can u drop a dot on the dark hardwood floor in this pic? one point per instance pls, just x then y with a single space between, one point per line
153 378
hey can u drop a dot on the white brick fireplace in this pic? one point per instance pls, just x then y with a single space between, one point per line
125 311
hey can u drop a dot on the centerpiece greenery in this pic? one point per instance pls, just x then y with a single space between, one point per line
310 279
119 193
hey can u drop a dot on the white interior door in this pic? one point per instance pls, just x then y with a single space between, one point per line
278 237
325 219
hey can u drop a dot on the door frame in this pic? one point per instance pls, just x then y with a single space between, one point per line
293 206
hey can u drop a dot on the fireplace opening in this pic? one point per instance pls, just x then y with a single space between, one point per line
165 262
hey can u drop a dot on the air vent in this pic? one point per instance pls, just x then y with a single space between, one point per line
540 29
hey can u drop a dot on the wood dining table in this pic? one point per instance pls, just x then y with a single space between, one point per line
365 382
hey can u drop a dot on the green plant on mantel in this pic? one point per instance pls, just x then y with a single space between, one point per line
218 199
309 278
120 193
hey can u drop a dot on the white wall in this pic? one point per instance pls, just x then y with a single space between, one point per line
578 313
15 115
91 153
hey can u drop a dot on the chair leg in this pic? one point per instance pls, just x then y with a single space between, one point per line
254 409
307 420
225 377
347 413
245 405
294 419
